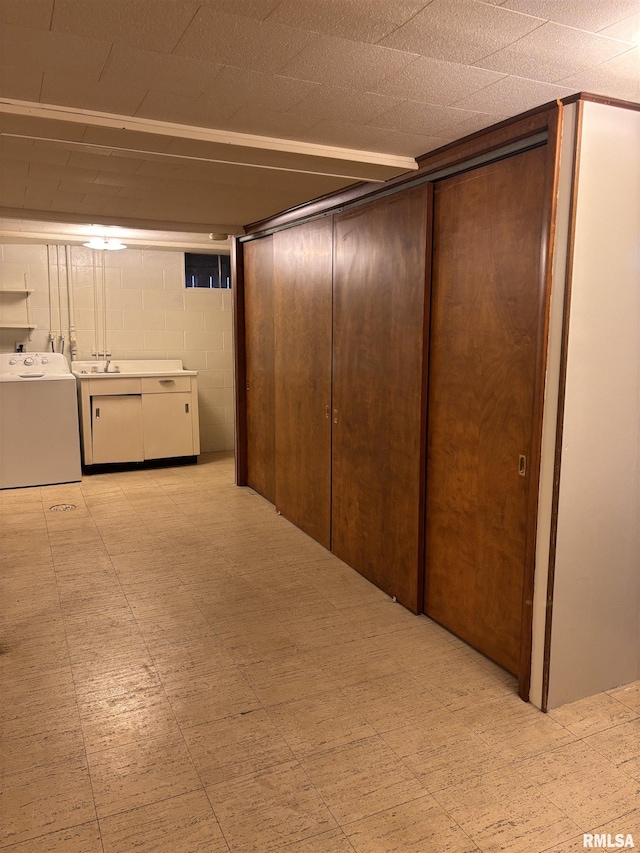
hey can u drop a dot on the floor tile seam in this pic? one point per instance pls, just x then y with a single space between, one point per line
620 702
440 806
9 847
504 764
300 757
125 811
544 750
84 743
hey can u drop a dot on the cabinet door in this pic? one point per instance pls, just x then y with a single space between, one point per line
167 425
116 428
487 298
302 303
379 330
260 366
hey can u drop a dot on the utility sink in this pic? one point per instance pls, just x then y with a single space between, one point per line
130 367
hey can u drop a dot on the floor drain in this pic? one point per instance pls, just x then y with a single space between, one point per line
62 507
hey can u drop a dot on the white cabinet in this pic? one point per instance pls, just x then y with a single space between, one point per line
167 425
135 418
116 428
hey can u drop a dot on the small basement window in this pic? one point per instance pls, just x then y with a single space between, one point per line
211 271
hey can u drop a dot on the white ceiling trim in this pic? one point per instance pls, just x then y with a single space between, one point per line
73 143
203 134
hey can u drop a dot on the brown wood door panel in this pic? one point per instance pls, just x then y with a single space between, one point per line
260 366
379 371
488 232
302 299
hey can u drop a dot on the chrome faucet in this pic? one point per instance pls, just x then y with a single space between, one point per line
106 365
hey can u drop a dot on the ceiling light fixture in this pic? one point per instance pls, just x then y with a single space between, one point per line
111 245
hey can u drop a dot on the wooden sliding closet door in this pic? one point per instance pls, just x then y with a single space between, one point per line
487 292
260 365
379 333
302 298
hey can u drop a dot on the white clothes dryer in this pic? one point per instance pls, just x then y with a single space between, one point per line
39 427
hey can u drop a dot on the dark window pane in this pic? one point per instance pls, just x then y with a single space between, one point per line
207 270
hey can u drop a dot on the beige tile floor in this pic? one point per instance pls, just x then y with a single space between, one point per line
182 671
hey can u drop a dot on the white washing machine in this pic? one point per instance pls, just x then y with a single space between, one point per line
39 429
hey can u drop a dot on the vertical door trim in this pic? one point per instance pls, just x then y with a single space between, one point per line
426 348
546 270
240 360
568 279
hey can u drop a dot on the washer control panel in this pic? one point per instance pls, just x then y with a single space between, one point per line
32 364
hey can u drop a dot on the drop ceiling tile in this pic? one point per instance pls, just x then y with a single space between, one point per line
251 88
553 52
148 24
23 84
158 71
268 123
39 152
12 170
345 135
513 95
409 144
35 13
339 104
242 42
116 138
626 30
590 15
200 112
38 50
471 125
74 91
41 127
424 119
104 162
617 78
51 171
139 182
340 62
461 30
351 19
435 81
259 9
79 187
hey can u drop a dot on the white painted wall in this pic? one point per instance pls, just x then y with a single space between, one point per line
595 640
150 314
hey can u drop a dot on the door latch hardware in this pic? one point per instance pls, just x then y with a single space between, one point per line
522 465
327 412
335 416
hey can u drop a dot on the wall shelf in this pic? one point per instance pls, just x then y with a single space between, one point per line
15 291
19 293
17 326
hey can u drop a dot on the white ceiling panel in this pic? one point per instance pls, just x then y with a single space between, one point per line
621 74
250 88
411 144
553 52
76 91
340 62
241 41
27 13
416 117
365 22
330 132
259 9
337 104
435 81
59 53
23 84
199 111
513 95
260 122
461 30
628 29
163 72
148 24
592 15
